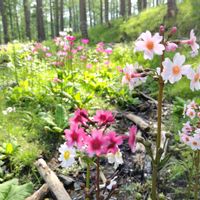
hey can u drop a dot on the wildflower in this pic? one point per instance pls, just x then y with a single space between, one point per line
194 76
57 80
187 128
9 110
70 38
113 141
48 54
132 138
149 44
191 113
62 33
80 117
75 136
173 71
67 155
89 66
185 138
194 143
79 48
103 117
112 183
85 41
108 51
171 47
115 158
96 143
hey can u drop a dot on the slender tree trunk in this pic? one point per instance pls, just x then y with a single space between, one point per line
4 21
90 12
51 18
139 5
56 18
101 11
74 16
27 17
129 7
83 18
40 21
61 15
171 8
93 13
70 16
17 22
11 20
144 4
122 8
106 10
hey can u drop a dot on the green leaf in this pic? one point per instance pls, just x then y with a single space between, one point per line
11 190
60 115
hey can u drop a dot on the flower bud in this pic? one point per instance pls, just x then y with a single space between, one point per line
173 30
162 29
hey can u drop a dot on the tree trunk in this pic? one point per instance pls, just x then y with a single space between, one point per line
83 18
122 8
4 21
61 15
70 16
139 5
144 4
171 8
40 21
101 11
27 15
56 18
17 22
129 7
51 19
11 20
106 10
90 12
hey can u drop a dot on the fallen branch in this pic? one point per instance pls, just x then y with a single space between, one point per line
40 193
148 97
52 180
143 125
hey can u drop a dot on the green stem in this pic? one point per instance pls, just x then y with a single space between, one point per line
88 181
196 187
97 180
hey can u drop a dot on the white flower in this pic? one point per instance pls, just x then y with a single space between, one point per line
112 183
194 76
115 158
67 155
62 33
194 143
149 44
193 43
173 71
8 110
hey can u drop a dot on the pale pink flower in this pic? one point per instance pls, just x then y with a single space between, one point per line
192 105
48 54
191 113
132 138
79 48
198 114
187 128
173 71
149 44
89 66
108 51
57 80
185 138
171 47
194 76
194 143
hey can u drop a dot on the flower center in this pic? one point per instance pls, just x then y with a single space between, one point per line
128 77
66 155
176 70
187 139
96 144
149 45
196 77
194 143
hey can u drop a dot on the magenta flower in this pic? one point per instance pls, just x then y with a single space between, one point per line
108 51
149 44
85 41
80 117
96 143
113 141
103 117
75 136
70 38
132 138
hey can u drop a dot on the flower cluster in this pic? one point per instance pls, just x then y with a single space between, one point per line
190 134
172 70
92 137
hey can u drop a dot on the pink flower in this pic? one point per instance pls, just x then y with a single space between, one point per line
89 66
74 51
85 41
194 76
96 143
48 54
171 47
131 77
173 71
70 38
75 136
57 80
79 48
80 117
108 51
149 44
194 143
187 128
104 117
191 113
132 138
113 141
185 138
